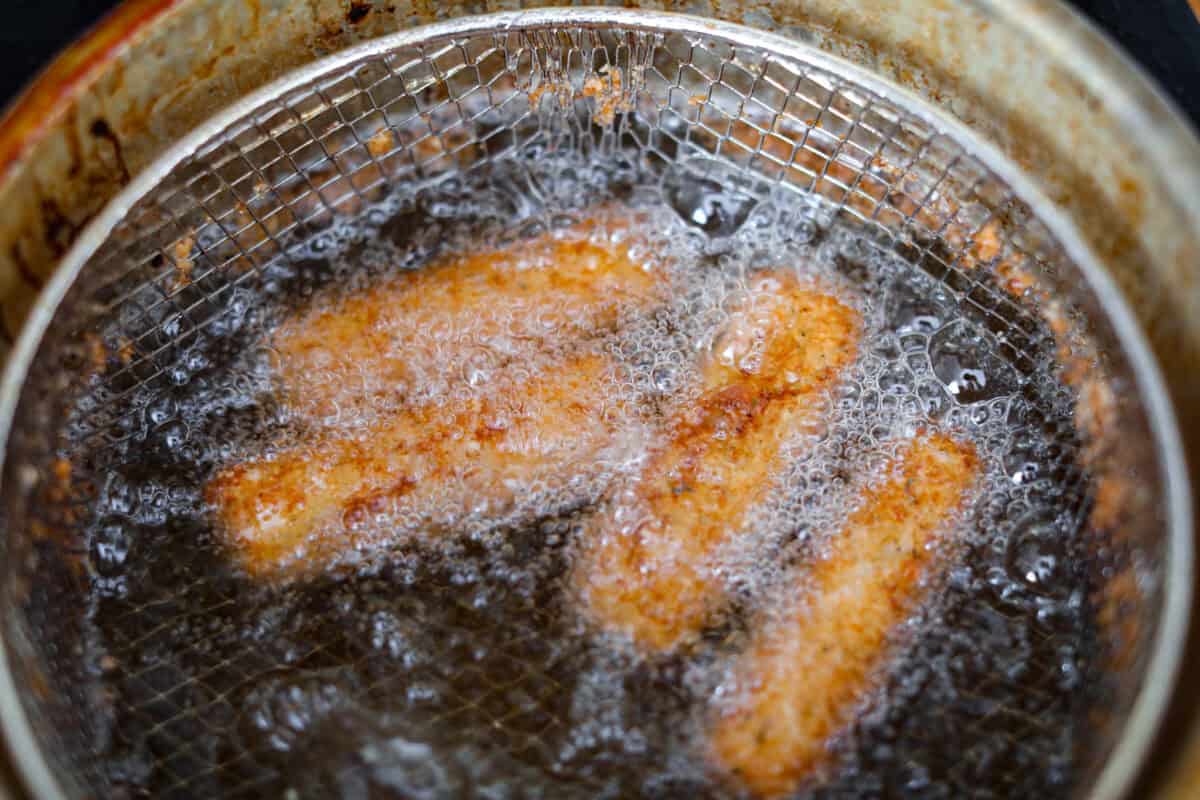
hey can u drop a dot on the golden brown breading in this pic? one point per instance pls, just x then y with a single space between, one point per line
806 668
462 315
645 570
305 507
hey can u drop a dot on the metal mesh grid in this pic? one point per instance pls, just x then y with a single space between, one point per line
421 114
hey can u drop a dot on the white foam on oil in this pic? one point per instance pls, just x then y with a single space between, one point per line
544 700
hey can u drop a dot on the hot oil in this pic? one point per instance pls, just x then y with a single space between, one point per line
452 660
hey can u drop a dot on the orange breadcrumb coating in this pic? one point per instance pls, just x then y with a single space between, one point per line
988 245
298 510
806 669
605 88
485 308
181 255
646 568
382 143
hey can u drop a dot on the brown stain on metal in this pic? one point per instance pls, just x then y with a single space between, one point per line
116 76
102 130
74 145
1129 189
60 231
23 269
37 111
425 8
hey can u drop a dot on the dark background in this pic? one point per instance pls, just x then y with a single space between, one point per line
1164 35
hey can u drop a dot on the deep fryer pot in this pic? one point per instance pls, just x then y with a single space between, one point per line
1017 114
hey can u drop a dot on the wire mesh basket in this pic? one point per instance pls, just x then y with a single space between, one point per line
174 674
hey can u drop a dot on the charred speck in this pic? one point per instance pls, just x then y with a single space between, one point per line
853 269
357 13
102 130
60 231
23 269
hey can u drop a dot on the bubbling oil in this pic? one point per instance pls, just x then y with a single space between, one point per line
459 664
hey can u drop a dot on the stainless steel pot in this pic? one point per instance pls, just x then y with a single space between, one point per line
1029 77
